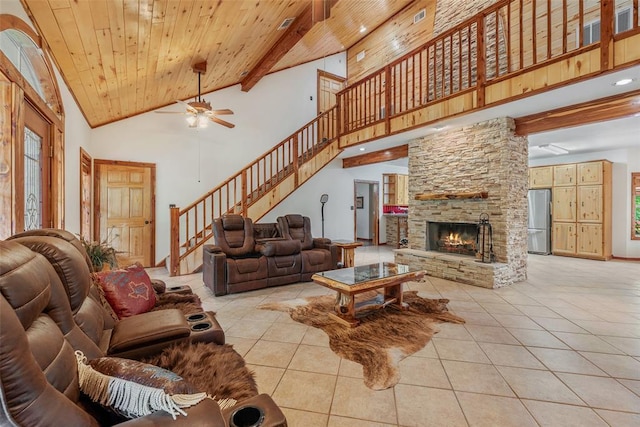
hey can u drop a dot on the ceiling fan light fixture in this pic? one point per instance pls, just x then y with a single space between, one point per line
203 121
191 119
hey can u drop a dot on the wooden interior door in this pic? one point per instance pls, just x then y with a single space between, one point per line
124 206
328 85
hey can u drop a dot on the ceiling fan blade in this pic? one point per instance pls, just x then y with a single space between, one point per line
189 107
170 112
222 122
222 112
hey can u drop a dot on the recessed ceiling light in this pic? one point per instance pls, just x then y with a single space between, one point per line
363 29
623 82
439 127
361 148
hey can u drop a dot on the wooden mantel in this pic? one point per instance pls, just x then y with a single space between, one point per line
452 196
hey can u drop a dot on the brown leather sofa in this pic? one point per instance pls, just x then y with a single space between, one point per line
132 337
238 264
39 333
318 254
38 336
245 258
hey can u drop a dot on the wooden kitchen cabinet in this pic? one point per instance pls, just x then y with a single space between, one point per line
589 243
564 238
395 189
564 175
581 195
541 177
590 204
590 173
564 204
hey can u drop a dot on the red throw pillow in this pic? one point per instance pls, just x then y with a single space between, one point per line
128 291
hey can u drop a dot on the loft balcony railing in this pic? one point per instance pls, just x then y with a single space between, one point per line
510 37
504 40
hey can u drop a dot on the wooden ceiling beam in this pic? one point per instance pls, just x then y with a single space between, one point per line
598 110
296 31
394 153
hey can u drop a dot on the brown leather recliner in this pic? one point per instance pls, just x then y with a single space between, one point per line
237 264
38 375
318 254
133 337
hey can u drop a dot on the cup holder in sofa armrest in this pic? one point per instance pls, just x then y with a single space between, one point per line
201 326
196 317
247 416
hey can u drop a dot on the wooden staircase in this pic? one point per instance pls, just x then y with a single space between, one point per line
253 191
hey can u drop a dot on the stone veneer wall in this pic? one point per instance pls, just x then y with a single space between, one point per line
486 156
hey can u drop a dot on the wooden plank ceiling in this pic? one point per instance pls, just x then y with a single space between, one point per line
124 57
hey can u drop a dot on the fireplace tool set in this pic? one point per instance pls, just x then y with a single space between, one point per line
484 240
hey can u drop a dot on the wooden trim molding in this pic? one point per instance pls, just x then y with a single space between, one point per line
380 156
599 110
452 196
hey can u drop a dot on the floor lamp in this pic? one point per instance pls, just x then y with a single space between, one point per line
323 200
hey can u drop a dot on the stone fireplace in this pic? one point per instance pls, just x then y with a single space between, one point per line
452 237
446 167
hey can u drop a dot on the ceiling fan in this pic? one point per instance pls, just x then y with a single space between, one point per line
199 112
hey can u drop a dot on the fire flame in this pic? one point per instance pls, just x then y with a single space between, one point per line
455 239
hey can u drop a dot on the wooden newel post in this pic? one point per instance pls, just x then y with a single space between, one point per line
174 245
294 160
245 195
606 35
481 56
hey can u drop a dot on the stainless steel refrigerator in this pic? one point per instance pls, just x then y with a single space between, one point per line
539 228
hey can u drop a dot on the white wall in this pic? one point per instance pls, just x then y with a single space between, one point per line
77 134
190 162
625 162
338 213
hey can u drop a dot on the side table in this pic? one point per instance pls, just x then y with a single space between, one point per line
347 253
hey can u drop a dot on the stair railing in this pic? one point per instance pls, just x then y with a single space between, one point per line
191 226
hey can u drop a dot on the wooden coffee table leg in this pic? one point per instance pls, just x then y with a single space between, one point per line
395 291
345 310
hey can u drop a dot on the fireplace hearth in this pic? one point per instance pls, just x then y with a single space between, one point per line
452 237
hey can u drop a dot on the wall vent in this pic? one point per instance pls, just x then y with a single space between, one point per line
360 56
286 23
419 16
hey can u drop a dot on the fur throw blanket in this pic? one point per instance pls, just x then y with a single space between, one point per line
217 369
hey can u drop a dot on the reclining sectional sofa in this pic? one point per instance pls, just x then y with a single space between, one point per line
284 252
48 311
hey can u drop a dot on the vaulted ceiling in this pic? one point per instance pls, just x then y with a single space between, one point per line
124 57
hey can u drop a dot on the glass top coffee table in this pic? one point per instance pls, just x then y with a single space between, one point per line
349 282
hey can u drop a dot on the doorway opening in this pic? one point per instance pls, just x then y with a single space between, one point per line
366 212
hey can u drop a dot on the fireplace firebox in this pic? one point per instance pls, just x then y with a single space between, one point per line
452 237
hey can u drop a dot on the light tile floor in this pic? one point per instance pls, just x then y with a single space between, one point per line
560 349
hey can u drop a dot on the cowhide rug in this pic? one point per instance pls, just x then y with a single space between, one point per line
381 340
